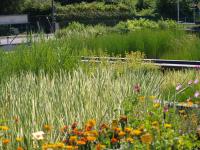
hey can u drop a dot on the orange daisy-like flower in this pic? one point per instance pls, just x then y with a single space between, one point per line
47 128
73 138
92 122
91 138
81 142
121 134
128 129
5 141
88 127
146 138
100 147
114 140
117 129
20 148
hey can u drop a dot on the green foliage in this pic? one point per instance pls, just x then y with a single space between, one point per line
93 11
49 56
11 6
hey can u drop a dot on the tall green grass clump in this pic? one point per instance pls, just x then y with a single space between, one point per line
49 56
165 44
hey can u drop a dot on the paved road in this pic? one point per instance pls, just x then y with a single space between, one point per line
14 40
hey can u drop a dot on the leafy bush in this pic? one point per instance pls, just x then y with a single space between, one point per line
132 25
93 11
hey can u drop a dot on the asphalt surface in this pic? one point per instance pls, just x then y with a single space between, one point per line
20 39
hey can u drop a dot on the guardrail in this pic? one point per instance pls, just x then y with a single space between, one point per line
163 63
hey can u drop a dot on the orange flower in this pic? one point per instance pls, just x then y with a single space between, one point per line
64 129
20 148
121 133
4 128
117 129
74 125
146 138
100 147
114 140
5 141
81 142
69 147
104 126
47 128
88 127
128 130
91 138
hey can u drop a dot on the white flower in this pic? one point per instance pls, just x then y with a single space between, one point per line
38 135
179 86
190 82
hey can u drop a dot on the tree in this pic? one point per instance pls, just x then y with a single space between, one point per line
11 6
145 4
168 8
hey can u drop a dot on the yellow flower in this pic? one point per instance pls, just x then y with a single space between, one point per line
5 141
130 140
73 138
146 138
92 122
156 105
155 124
121 133
91 138
60 145
182 111
4 128
152 97
141 98
19 139
128 129
114 124
136 132
167 125
141 128
93 133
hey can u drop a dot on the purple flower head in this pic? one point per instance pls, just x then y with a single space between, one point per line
196 94
196 81
137 88
178 87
